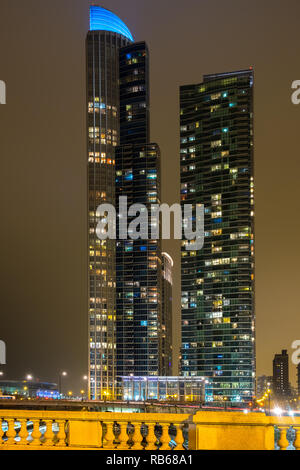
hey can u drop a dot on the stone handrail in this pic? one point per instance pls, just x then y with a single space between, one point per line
240 431
206 430
40 430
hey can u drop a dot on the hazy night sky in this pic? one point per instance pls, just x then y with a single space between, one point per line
43 289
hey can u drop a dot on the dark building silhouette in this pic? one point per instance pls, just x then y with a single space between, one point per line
216 150
281 386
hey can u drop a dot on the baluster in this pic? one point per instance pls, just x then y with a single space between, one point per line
1 432
137 437
297 439
36 434
165 438
283 443
10 433
151 438
123 437
61 435
179 437
48 436
109 436
23 433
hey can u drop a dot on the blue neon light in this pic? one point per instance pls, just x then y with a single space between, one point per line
104 20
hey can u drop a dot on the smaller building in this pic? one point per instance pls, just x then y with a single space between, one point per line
188 389
29 389
281 387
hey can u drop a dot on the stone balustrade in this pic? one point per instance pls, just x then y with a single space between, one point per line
240 431
205 430
87 430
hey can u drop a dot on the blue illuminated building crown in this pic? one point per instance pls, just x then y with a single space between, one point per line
104 20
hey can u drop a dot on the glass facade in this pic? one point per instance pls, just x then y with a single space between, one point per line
103 136
125 276
138 264
218 319
134 94
183 389
166 320
138 261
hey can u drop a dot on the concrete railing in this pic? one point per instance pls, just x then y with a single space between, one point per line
240 431
85 430
206 430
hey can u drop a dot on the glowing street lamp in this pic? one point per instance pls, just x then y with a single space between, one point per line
60 375
29 377
86 378
278 411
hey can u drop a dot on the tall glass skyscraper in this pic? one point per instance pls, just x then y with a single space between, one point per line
134 94
138 262
106 36
218 319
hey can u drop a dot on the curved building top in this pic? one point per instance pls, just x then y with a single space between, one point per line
104 20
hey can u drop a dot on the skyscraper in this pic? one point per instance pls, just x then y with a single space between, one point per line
167 312
218 319
106 36
281 386
138 261
134 94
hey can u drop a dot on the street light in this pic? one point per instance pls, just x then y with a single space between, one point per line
29 377
60 375
1 373
225 399
86 378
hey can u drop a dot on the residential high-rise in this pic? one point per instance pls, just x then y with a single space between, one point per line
106 36
166 320
134 94
281 386
218 319
138 261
